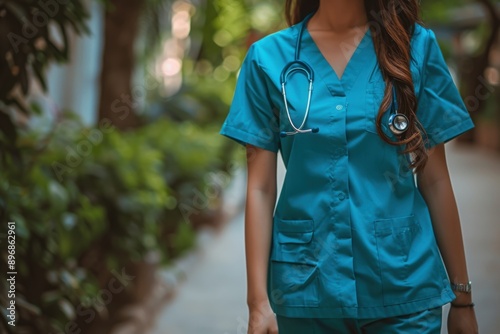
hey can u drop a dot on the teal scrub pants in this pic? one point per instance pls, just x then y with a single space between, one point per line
425 322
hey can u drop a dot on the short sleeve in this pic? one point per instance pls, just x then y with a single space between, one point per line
441 110
251 118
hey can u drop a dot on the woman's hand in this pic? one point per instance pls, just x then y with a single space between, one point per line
462 320
262 320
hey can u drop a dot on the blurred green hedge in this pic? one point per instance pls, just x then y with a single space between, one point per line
89 200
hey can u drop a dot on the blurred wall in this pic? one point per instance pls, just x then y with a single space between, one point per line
75 85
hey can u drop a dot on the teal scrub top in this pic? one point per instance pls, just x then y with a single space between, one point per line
352 235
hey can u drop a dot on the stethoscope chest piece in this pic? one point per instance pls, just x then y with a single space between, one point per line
398 123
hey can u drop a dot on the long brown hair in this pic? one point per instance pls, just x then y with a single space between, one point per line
392 22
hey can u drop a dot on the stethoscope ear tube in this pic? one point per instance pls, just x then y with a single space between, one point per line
298 65
294 66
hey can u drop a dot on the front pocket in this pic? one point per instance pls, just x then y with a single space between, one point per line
395 238
294 284
294 240
294 231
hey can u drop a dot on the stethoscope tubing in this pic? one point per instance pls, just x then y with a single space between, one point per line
398 123
309 97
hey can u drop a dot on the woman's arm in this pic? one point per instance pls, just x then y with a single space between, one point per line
260 202
435 185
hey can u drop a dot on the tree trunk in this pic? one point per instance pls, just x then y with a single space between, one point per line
120 31
476 66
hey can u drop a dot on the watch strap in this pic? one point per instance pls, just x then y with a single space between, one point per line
462 287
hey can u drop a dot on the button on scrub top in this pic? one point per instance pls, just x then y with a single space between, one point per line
352 235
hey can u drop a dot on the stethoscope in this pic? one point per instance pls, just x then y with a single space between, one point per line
398 123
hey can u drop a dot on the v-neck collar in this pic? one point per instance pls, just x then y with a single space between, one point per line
357 61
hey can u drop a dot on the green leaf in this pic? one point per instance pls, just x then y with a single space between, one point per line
23 81
22 230
36 108
69 220
65 42
40 75
18 10
57 53
57 195
8 128
19 105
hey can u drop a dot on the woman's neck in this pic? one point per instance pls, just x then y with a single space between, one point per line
339 15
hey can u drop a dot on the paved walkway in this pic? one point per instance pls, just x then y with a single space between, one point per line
212 298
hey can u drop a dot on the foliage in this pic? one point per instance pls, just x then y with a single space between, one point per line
49 215
85 200
89 200
221 32
34 33
439 11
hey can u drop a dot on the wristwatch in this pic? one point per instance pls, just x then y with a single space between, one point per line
461 287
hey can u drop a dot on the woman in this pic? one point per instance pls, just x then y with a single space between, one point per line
357 97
